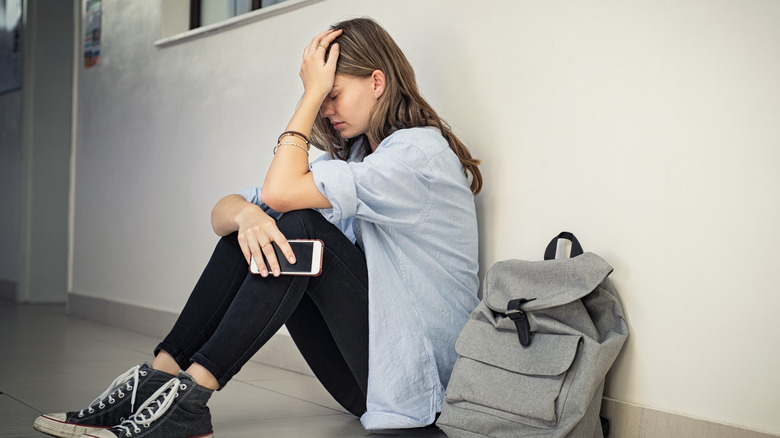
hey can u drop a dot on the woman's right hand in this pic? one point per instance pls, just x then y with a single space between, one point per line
256 231
316 73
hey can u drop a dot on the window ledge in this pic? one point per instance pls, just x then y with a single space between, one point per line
237 21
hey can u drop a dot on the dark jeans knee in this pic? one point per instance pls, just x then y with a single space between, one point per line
301 224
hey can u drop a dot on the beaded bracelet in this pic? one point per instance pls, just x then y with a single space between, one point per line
288 143
295 134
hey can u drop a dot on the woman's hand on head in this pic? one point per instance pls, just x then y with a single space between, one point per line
317 74
256 231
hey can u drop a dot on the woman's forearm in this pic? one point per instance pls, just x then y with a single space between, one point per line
227 211
290 163
289 184
304 116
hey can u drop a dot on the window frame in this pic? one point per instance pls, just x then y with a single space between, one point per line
175 20
196 6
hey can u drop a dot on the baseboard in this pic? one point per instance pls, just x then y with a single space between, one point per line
7 291
631 420
280 351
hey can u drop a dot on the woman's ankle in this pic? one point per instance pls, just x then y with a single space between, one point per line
166 363
202 376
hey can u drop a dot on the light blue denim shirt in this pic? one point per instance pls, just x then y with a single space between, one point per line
409 206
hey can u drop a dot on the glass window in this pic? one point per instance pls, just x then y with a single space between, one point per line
205 12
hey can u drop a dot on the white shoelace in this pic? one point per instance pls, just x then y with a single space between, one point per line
153 408
123 381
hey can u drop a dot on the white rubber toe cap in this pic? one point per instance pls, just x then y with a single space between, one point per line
55 425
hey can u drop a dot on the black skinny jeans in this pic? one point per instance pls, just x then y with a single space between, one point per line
231 313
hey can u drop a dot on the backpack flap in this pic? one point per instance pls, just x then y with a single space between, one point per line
558 351
543 284
525 383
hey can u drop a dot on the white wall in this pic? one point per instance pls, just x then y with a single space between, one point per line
649 129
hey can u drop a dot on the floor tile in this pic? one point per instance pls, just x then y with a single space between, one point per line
306 427
240 402
16 418
51 362
66 387
302 387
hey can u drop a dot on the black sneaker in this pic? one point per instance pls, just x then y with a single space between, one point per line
177 410
113 406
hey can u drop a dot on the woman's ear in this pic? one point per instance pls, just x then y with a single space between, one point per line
379 82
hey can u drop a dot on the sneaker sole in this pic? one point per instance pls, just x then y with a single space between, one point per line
54 427
208 435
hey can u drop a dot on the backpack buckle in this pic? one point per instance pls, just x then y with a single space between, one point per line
518 316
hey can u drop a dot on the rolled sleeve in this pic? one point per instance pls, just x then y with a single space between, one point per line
334 179
389 187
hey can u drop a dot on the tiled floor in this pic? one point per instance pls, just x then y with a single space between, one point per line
50 362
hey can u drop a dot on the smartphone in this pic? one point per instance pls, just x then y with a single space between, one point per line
308 258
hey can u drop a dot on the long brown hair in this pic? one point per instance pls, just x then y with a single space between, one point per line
364 46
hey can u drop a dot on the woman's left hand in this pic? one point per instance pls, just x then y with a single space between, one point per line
316 74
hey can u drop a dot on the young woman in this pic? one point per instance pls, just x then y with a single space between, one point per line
393 202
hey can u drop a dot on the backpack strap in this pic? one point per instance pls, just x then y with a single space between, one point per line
518 316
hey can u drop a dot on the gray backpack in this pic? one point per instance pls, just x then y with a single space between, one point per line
533 356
